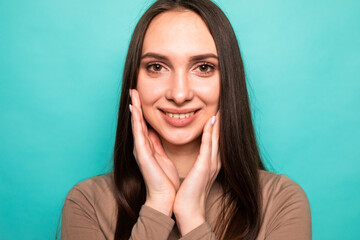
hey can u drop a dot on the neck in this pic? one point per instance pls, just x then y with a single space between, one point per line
183 156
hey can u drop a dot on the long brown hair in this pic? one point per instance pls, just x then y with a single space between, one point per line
241 201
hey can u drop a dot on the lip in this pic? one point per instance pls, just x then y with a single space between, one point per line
179 111
179 122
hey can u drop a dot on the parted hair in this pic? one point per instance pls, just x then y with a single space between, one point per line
240 213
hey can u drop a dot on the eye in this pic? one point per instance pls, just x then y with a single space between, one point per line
204 68
155 67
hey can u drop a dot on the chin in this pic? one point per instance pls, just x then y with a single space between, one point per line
180 138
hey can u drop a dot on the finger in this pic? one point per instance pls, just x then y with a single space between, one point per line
142 148
215 141
206 143
135 98
218 163
217 166
139 139
131 107
132 129
154 138
133 132
216 129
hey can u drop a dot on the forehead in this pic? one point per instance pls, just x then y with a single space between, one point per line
178 33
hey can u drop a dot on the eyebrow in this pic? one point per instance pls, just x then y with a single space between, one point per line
193 58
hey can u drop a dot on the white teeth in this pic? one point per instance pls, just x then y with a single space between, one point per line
180 115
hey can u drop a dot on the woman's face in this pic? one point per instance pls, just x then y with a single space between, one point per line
179 78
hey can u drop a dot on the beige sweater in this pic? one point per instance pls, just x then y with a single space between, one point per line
89 213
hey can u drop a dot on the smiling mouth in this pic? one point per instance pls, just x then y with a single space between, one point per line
179 115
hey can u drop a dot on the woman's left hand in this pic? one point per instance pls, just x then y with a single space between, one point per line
189 204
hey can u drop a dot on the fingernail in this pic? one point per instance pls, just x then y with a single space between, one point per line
130 92
213 120
130 107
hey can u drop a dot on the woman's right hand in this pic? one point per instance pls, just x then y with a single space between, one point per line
159 173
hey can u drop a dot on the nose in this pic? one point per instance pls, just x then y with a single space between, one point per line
180 90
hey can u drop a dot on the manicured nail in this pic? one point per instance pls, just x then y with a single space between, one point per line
213 120
130 92
130 107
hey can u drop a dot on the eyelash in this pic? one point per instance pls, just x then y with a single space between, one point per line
210 66
150 65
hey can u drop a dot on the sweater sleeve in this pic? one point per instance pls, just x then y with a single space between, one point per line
202 232
291 217
152 224
80 221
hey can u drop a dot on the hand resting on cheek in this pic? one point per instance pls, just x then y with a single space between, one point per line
164 192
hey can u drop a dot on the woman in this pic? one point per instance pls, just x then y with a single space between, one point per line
186 162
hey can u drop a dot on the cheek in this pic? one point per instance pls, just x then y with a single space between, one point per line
148 89
210 93
147 113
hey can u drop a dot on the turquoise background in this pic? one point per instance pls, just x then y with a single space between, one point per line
60 69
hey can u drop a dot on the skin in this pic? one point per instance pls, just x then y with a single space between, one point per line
178 71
